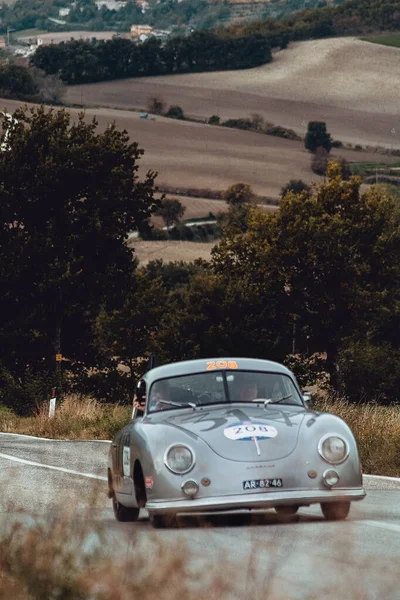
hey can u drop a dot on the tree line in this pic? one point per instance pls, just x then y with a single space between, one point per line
348 18
83 61
315 285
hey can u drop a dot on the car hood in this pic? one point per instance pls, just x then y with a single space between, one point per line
242 432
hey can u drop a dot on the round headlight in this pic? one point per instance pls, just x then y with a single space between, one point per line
333 449
179 459
330 478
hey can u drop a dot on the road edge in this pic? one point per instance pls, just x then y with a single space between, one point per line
33 437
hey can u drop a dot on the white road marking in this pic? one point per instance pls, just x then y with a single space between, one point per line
382 477
51 467
34 437
380 524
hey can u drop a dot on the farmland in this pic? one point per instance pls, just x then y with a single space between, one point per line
350 84
387 39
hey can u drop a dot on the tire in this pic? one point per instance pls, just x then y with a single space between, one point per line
335 511
286 511
163 521
124 514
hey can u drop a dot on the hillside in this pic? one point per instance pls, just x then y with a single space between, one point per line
351 84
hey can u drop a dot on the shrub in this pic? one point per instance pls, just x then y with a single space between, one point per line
156 106
214 120
175 112
320 160
283 132
296 186
246 124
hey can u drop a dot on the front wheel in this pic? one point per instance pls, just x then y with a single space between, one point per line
163 521
335 511
124 513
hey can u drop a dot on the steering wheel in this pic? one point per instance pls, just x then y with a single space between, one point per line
205 395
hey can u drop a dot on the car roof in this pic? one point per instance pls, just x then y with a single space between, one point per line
200 365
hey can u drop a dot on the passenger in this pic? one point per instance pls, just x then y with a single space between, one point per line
248 391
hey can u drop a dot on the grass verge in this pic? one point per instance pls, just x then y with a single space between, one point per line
75 418
377 431
376 428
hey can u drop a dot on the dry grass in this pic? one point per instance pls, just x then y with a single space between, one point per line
73 556
377 431
376 428
75 418
68 556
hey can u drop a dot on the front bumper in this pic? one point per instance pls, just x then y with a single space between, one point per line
259 500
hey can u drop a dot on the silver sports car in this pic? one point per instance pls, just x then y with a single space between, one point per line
230 433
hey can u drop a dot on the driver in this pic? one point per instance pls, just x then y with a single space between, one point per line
248 391
160 391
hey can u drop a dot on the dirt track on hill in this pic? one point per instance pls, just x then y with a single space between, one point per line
352 85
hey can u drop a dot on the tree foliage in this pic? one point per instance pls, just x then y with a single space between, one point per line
336 256
317 137
171 210
68 197
83 62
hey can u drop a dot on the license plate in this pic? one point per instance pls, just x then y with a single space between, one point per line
257 484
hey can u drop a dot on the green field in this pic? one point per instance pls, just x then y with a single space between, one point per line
365 169
387 39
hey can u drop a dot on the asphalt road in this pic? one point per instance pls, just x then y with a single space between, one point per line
305 558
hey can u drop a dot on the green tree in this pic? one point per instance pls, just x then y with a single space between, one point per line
317 136
336 256
69 195
127 333
296 186
171 211
240 198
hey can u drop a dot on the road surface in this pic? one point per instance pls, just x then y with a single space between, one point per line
304 558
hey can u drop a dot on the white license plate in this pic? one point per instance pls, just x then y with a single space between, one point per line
257 484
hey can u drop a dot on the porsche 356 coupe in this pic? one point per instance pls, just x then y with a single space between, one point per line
229 433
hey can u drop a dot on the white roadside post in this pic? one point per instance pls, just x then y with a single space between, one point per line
52 407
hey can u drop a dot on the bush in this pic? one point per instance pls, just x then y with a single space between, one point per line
155 106
175 112
320 160
283 132
362 365
214 120
296 186
246 124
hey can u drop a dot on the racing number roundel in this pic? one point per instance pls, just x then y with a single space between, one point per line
248 431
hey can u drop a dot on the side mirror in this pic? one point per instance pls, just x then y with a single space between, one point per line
307 397
141 390
140 396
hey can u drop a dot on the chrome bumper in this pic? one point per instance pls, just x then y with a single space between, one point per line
260 500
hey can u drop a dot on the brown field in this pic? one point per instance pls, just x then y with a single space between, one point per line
195 155
170 250
352 85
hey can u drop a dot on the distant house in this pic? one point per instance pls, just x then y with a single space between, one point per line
140 30
64 12
110 4
2 42
143 4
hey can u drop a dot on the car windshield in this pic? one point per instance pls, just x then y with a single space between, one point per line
220 387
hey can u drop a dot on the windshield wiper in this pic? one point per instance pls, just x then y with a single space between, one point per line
191 404
271 401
